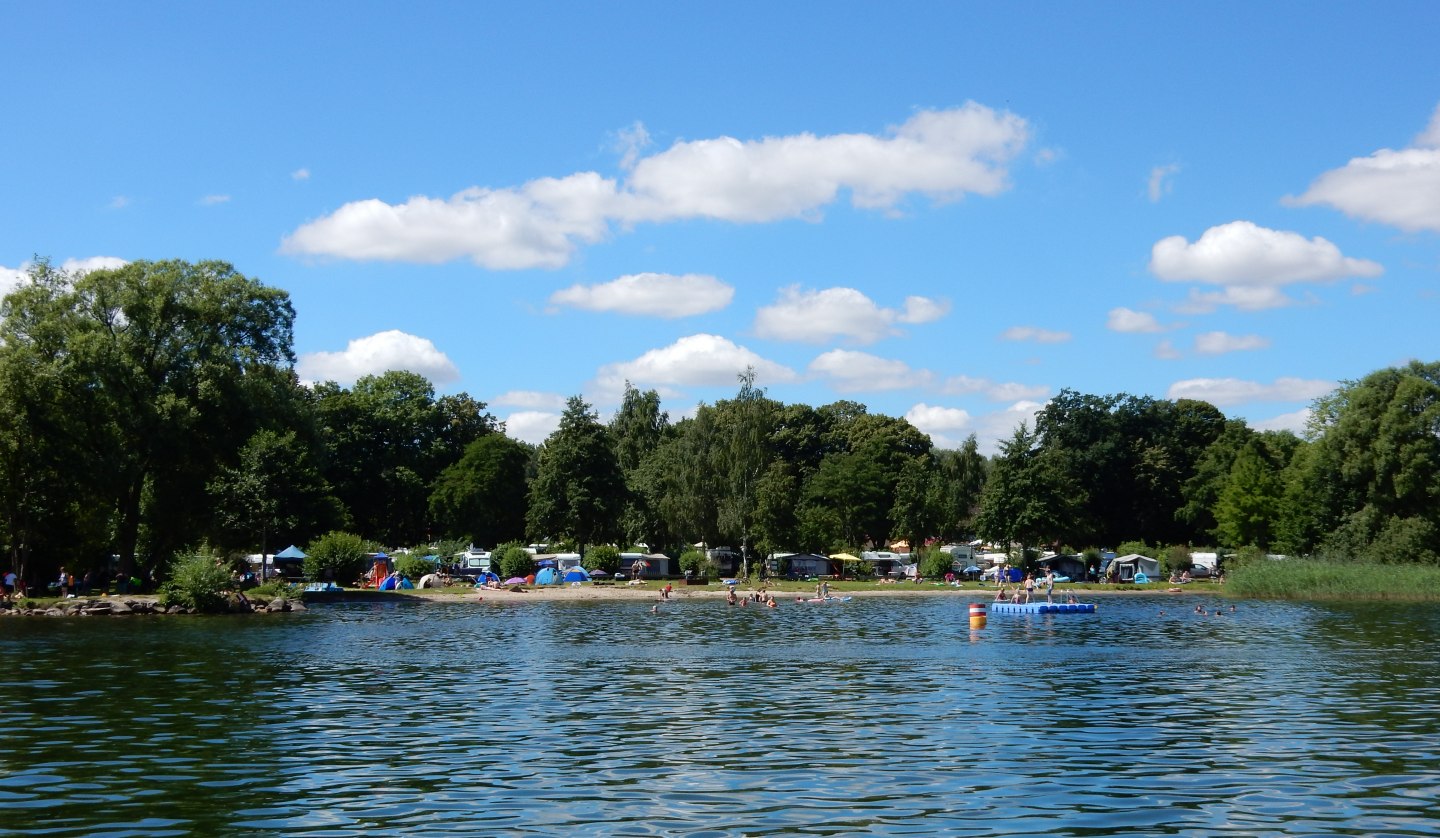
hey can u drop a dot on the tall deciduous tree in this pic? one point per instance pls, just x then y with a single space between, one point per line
274 491
160 359
482 496
578 492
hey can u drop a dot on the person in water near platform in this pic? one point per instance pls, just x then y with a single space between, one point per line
1000 594
730 597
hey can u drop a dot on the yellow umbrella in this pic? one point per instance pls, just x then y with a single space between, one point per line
842 558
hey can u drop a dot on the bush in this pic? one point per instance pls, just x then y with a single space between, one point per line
198 581
512 560
274 589
697 564
602 557
1177 559
335 557
412 567
935 564
1137 547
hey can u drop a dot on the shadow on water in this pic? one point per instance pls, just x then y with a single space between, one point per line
878 716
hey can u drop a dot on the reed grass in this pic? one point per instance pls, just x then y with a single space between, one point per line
1330 579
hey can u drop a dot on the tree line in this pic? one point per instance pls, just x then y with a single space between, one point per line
154 407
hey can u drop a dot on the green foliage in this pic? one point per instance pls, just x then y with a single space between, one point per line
413 566
579 490
274 589
602 557
1176 559
1030 498
696 563
935 564
482 496
1245 557
1348 580
198 581
512 560
1137 547
335 557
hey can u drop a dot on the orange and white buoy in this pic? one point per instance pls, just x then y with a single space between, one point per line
977 615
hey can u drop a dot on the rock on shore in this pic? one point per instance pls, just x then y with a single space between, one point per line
121 606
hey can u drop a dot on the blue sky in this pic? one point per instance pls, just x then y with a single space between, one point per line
947 212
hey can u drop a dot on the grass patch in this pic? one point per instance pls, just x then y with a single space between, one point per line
1319 579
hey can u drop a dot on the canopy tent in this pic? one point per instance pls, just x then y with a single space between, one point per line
291 552
1124 568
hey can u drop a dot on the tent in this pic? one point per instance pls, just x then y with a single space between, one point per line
1125 567
291 552
576 575
546 576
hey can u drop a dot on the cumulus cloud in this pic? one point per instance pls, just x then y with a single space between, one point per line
812 316
696 360
1296 422
531 399
1220 343
1133 322
942 155
119 202
213 200
852 372
1231 391
1161 181
653 294
379 353
300 174
1252 264
1399 188
1166 351
960 385
1244 253
531 426
947 427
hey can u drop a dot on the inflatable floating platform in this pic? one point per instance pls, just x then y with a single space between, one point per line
1042 608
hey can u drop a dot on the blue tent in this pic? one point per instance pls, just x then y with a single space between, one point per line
576 574
291 552
546 576
487 576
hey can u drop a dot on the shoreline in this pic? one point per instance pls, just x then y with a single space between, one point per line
639 593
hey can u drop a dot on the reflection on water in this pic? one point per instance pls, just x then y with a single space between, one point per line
879 716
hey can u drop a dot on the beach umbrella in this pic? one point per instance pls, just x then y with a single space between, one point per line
514 580
598 573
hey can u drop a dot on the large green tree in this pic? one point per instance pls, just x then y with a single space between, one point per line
579 490
159 369
482 497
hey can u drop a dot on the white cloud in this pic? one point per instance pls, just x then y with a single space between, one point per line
1219 343
531 426
1295 422
1245 254
1166 351
696 360
852 372
939 154
1232 391
213 200
819 316
992 428
377 354
1034 333
659 295
1132 322
947 427
629 142
531 399
12 278
119 202
960 385
1242 297
1161 182
1399 188
300 174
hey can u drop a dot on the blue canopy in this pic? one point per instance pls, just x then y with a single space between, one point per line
291 552
545 563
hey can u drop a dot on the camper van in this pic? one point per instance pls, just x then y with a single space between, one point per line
471 562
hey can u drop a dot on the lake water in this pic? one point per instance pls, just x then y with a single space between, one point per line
882 716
